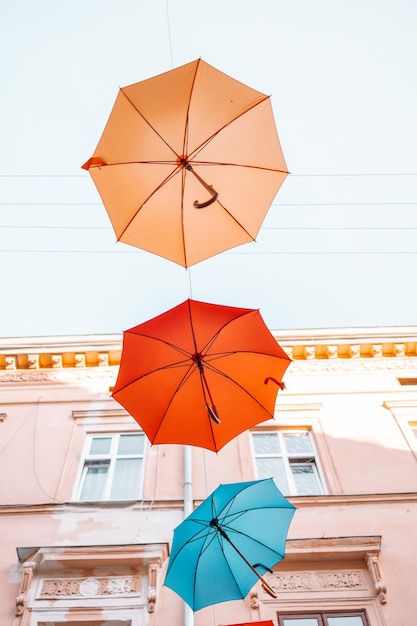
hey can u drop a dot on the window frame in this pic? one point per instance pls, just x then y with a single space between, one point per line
87 460
287 457
322 617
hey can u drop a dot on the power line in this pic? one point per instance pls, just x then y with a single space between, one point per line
228 252
299 175
264 228
274 204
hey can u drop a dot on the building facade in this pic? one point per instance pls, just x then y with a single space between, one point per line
88 506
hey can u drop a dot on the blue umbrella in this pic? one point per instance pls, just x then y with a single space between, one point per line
225 546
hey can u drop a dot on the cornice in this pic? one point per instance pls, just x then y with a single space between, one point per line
173 505
82 358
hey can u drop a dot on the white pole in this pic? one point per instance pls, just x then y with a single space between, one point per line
188 508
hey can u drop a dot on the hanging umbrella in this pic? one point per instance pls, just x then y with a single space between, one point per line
227 543
200 374
188 163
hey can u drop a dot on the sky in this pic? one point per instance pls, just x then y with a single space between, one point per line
338 246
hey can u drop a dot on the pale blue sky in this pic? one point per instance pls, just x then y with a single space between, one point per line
338 247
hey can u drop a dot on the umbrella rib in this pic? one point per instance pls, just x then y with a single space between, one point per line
185 138
245 165
184 151
220 373
161 184
198 149
148 122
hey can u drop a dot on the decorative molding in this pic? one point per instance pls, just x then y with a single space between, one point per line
374 568
317 580
97 586
26 580
315 347
3 417
62 376
54 574
336 555
108 414
355 365
10 363
152 583
33 361
81 373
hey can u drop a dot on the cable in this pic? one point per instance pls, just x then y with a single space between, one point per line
300 175
274 204
227 252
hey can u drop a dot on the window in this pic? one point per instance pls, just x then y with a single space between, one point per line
289 457
112 467
324 619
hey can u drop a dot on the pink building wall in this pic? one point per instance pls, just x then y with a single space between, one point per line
351 548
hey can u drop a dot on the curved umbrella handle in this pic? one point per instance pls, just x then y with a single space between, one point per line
210 189
274 380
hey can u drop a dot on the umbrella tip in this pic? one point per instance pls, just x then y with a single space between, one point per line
97 161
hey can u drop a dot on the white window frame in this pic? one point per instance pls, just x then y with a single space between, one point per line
321 617
111 457
286 458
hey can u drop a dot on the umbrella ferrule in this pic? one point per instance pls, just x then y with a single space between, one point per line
214 523
197 358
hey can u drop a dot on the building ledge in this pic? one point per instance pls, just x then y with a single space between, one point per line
52 353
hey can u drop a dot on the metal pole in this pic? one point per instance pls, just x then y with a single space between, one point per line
188 508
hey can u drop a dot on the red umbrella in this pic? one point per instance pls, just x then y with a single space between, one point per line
200 374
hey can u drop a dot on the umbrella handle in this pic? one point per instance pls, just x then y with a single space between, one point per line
264 584
210 189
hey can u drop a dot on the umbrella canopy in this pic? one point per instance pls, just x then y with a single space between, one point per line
222 549
188 163
200 374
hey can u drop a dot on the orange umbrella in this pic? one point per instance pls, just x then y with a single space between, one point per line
200 374
188 163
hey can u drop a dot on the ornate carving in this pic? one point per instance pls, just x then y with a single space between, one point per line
103 359
80 359
399 349
374 569
254 599
88 587
27 575
10 363
152 576
33 361
60 376
353 365
56 360
355 351
310 352
332 352
317 581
